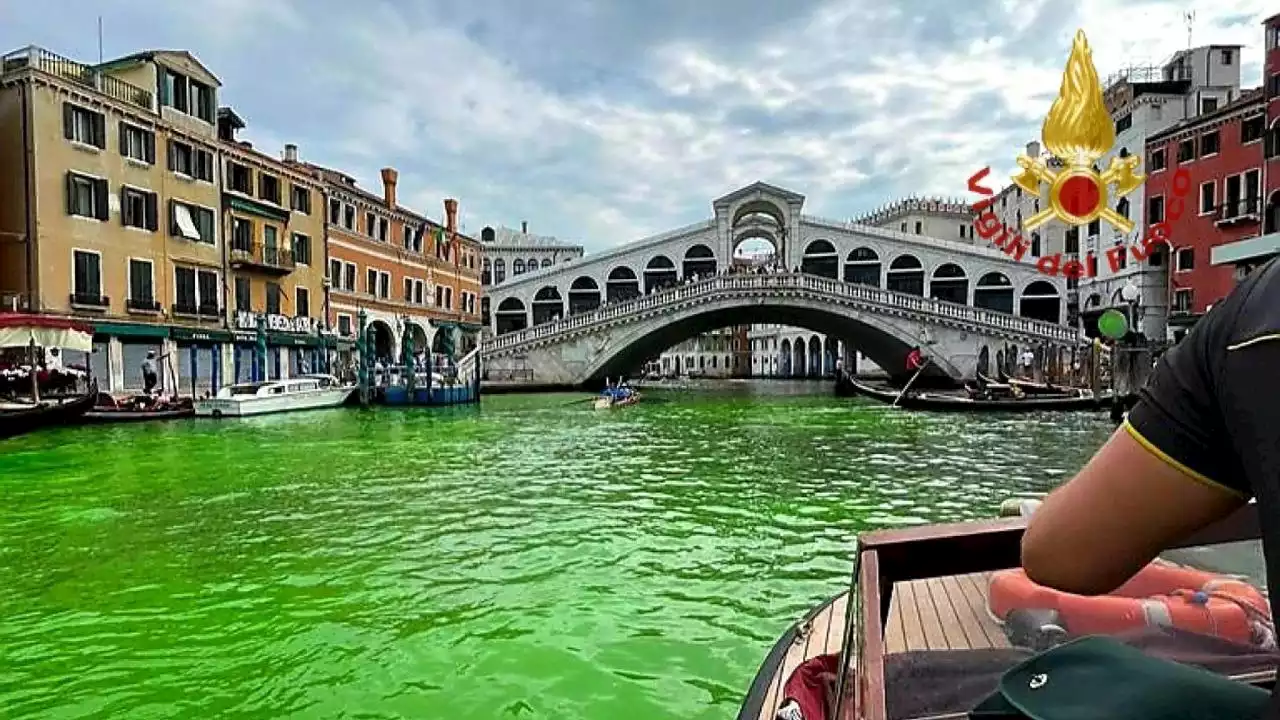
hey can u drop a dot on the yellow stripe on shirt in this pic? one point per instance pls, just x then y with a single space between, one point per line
1176 464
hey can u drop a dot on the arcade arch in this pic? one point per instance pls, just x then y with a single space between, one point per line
820 258
548 305
659 273
510 316
862 267
699 260
621 285
949 283
994 291
906 275
1041 301
584 295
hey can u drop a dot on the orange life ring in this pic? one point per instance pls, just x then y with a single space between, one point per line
1160 595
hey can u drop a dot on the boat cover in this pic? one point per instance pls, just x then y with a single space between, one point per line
21 330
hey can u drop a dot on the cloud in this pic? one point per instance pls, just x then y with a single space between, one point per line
604 121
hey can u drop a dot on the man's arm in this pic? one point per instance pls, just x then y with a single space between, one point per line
1169 470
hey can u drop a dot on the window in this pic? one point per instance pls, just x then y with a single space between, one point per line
207 286
418 288
384 285
517 267
1253 189
408 289
302 302
499 270
370 224
87 196
244 299
301 249
1273 36
240 178
335 273
1157 161
1155 209
190 161
87 287
349 218
241 235
919 227
1208 197
84 126
1273 85
448 298
382 229
138 209
1209 144
1252 129
273 298
408 238
269 238
142 294
344 325
185 95
371 281
191 222
300 199
439 296
269 188
1124 123
202 101
1182 300
1208 105
349 277
335 212
184 288
137 143
1185 259
1227 57
1186 150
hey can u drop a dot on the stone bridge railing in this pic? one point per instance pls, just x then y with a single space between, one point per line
861 296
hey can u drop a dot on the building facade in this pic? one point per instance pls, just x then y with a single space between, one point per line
932 217
414 279
509 253
1218 199
109 206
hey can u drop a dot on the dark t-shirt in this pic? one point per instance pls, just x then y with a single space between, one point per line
1212 406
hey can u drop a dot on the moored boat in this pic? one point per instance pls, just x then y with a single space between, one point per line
306 392
926 643
912 400
33 337
138 409
20 418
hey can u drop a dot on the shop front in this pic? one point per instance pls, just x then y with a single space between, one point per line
197 361
271 347
119 350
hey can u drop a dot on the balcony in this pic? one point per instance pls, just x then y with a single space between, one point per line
202 311
272 260
79 73
90 301
142 305
1234 212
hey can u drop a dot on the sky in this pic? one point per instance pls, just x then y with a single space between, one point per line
604 121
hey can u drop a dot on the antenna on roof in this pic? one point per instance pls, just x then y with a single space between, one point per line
99 39
1190 18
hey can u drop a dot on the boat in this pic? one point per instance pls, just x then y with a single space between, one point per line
955 403
926 645
305 392
1031 387
18 418
616 396
35 335
137 409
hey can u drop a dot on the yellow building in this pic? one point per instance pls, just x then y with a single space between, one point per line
274 223
113 211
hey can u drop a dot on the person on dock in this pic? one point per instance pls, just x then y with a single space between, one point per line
150 373
1202 439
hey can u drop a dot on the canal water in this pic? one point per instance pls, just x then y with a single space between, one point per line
531 558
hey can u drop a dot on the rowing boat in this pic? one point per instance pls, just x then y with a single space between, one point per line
954 403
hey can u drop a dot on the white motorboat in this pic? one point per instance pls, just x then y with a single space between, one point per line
306 392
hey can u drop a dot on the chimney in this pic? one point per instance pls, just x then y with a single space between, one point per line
451 215
524 227
291 153
389 178
1033 149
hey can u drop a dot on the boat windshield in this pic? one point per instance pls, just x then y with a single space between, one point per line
247 388
947 640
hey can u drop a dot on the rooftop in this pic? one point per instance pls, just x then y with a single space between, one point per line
510 237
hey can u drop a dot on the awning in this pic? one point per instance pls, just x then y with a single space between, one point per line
131 330
22 330
1253 249
199 335
253 207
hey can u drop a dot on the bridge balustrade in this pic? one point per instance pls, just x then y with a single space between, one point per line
871 295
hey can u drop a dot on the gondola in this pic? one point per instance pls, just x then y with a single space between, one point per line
1030 387
107 410
954 403
15 420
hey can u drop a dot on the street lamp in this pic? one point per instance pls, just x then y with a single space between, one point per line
1130 294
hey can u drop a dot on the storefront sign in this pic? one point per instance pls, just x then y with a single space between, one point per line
276 323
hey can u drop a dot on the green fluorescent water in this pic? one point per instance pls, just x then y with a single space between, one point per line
532 558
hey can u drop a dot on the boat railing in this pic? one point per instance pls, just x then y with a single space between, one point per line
826 288
886 557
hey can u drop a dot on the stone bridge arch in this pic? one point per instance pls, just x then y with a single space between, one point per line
882 338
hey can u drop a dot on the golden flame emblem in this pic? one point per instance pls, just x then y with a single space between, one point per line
1077 131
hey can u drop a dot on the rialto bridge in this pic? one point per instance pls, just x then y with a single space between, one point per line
882 291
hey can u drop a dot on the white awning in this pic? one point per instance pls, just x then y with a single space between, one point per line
186 225
65 338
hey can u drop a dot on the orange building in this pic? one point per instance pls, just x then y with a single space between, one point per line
412 277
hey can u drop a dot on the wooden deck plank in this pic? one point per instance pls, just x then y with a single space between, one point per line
930 623
948 620
895 639
979 582
835 632
970 623
912 623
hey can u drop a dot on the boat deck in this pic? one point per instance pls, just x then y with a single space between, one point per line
947 613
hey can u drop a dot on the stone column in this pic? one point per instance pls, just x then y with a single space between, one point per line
115 366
